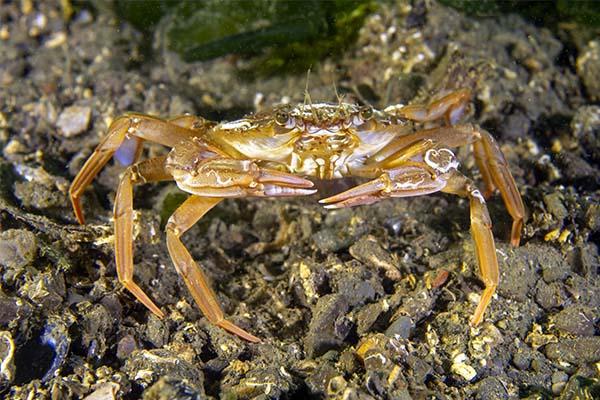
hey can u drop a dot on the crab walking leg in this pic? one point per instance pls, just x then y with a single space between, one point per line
182 219
486 174
131 125
488 156
450 107
499 176
413 181
151 170
481 231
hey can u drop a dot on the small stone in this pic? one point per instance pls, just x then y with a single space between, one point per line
7 351
575 320
104 391
368 251
462 369
491 388
173 388
402 327
588 68
575 351
559 381
74 120
18 248
126 346
322 335
549 296
522 360
555 205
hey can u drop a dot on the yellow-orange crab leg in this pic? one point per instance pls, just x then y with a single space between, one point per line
182 219
481 231
224 177
151 170
413 181
131 125
495 172
450 107
490 161
405 181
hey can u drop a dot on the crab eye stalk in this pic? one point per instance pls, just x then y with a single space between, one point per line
282 117
366 113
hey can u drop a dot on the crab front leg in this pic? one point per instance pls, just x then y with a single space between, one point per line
125 136
488 156
211 181
415 180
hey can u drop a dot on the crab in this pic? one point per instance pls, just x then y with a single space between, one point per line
401 151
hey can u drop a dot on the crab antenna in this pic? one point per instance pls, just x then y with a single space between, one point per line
307 94
337 95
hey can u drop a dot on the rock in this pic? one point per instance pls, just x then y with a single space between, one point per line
555 206
74 120
588 68
47 290
549 296
104 391
357 285
368 251
575 351
585 127
402 327
519 276
575 320
322 335
18 248
491 388
7 351
126 346
167 388
145 366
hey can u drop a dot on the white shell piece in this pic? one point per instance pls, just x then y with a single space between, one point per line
441 167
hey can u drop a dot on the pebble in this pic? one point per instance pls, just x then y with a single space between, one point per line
105 391
74 120
322 335
491 388
368 251
18 248
402 327
575 320
575 351
588 68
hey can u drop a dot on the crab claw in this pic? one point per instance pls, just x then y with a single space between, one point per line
367 193
283 179
398 182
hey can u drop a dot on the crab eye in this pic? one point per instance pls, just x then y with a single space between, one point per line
282 117
366 113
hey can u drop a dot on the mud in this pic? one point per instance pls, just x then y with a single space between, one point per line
367 303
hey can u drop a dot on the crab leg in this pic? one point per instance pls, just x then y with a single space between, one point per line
182 219
223 177
415 181
151 170
404 181
450 107
495 172
136 126
488 156
481 230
